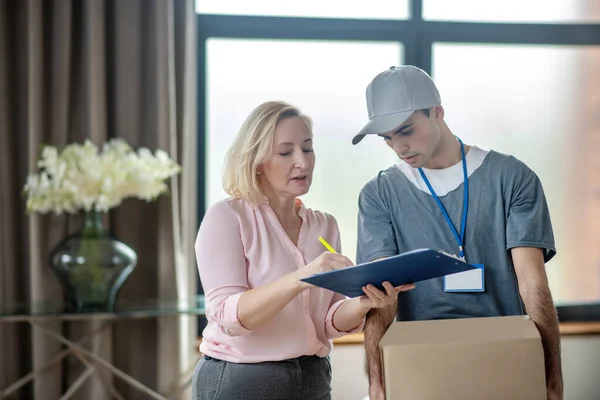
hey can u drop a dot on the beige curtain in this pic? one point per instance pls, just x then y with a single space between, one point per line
98 69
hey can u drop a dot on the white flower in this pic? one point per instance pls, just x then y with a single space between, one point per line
82 178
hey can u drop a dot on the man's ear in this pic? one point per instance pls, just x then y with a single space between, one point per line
438 113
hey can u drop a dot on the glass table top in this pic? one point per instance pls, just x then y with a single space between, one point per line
123 309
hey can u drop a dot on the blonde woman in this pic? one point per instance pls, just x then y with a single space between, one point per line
269 334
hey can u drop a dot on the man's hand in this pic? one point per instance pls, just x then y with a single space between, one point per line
534 290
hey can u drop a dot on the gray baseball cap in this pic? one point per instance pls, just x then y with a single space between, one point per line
392 97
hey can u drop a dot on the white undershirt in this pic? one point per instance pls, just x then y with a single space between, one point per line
444 180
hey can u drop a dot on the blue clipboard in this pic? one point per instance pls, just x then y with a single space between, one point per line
410 267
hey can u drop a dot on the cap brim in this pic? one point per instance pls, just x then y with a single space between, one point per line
382 124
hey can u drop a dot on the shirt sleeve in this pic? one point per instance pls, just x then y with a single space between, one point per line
376 237
338 299
222 266
330 330
528 221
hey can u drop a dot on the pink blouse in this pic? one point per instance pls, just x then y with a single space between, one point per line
241 246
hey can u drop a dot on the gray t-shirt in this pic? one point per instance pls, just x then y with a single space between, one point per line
507 208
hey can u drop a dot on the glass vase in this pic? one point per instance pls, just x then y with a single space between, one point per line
92 266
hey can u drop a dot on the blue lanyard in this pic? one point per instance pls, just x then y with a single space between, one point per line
459 239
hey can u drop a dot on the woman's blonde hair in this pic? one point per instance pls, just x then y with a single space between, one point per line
253 146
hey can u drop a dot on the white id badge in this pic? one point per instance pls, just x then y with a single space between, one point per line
468 281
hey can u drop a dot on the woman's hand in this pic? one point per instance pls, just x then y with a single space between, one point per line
350 314
375 298
325 262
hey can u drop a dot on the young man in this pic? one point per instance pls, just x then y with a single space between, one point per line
486 207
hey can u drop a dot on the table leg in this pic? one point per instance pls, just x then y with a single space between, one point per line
78 382
56 358
78 350
91 367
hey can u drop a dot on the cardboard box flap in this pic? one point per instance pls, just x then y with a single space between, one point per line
462 330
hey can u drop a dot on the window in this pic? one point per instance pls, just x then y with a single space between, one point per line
520 77
327 81
543 110
537 11
374 9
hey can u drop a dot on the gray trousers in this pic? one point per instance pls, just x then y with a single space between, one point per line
304 378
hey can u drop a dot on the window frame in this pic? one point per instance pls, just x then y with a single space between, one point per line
416 34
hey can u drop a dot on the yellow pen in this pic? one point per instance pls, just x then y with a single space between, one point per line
327 245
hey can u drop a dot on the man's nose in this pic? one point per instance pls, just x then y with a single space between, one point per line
399 146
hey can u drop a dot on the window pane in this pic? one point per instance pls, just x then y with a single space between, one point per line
513 10
539 103
327 81
374 9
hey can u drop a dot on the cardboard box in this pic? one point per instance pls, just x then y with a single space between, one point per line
464 359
